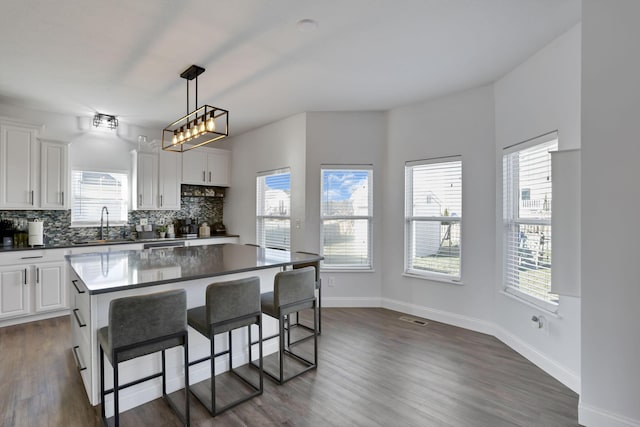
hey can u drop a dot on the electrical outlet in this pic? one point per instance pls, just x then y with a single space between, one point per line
332 281
143 221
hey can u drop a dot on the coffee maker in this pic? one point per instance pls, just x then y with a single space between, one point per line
188 228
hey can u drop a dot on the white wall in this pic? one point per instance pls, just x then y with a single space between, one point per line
346 138
274 146
611 202
458 124
539 96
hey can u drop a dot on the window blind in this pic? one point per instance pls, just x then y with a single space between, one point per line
91 190
527 212
433 215
273 209
346 215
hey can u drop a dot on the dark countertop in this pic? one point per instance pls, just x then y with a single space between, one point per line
88 243
121 270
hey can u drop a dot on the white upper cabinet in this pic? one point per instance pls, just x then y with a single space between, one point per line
147 181
208 166
34 174
54 175
169 180
19 166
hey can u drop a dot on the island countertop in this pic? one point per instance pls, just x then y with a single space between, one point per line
121 270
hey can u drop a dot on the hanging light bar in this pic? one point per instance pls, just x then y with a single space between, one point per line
199 127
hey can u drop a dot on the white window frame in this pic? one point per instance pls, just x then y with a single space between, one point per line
410 218
260 217
369 218
112 221
510 218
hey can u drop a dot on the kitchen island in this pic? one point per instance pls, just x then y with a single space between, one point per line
97 278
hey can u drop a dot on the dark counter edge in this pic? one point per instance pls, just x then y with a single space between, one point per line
311 258
115 242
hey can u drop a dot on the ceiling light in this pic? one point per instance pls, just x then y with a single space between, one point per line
201 126
105 120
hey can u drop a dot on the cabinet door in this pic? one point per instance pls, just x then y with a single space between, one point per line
169 182
147 181
194 167
19 161
218 168
50 287
14 292
53 180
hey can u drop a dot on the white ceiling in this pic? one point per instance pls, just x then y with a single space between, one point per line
124 57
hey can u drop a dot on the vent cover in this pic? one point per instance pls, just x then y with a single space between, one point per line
413 320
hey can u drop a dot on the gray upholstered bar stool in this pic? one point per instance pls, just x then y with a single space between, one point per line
141 325
293 290
290 324
229 305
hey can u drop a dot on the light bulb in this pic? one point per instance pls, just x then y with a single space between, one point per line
202 126
187 134
194 131
174 140
181 135
211 124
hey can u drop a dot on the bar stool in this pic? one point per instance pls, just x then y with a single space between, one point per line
293 290
316 266
141 325
229 305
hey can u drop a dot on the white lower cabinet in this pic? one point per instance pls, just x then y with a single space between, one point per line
14 292
32 283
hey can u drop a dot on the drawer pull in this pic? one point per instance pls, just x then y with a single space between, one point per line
31 257
75 356
80 291
75 313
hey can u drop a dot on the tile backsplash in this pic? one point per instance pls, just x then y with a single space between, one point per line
57 224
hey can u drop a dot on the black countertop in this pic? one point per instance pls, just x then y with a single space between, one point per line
89 243
121 270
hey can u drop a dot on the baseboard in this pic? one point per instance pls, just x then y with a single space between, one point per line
545 363
550 366
592 416
33 317
449 318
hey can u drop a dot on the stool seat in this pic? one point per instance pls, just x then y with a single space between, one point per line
197 319
268 305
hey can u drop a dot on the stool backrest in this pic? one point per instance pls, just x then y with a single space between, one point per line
145 317
232 299
294 286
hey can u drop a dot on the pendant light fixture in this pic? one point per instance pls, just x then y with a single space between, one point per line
201 126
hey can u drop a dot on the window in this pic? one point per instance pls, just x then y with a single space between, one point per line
433 215
346 216
91 190
273 209
527 209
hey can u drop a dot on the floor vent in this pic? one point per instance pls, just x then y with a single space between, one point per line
414 321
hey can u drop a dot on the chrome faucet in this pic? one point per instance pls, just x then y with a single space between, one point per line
104 209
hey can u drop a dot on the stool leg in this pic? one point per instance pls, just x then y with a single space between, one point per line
250 358
281 322
164 377
320 307
315 334
260 352
230 354
116 400
186 380
102 410
213 374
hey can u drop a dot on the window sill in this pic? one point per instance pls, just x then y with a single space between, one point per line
433 278
549 308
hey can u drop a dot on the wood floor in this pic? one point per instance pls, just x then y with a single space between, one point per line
374 370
